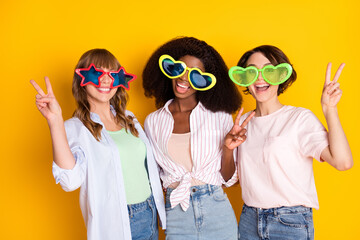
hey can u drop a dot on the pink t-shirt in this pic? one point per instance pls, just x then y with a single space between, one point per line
275 161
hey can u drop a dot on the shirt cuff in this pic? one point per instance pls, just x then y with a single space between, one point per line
71 179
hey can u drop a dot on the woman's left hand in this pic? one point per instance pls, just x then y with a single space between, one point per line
331 92
237 136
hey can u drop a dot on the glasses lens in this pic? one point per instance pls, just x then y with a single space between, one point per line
198 80
91 75
277 74
172 69
119 78
244 77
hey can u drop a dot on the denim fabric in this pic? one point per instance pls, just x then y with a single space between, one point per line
143 220
209 216
290 223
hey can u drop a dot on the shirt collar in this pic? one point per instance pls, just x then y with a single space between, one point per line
96 118
199 106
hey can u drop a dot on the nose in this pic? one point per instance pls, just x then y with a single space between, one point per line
184 77
105 79
260 77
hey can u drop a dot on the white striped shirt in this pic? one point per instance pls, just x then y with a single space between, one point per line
207 133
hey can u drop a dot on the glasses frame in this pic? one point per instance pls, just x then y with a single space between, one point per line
190 70
258 71
92 65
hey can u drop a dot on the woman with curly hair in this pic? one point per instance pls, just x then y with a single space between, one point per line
193 137
275 162
104 151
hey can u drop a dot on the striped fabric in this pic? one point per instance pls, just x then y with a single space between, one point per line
207 130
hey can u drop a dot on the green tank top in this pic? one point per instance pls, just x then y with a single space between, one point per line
133 163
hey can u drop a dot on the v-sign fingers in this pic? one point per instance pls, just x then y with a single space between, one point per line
37 88
338 72
237 119
247 119
48 86
328 74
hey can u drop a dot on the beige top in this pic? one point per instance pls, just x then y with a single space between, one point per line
179 151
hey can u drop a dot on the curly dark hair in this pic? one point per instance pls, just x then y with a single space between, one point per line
224 96
275 56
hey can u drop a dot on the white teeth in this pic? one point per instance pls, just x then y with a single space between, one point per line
263 85
104 89
182 86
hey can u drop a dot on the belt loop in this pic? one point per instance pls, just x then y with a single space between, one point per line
210 190
130 210
275 211
148 200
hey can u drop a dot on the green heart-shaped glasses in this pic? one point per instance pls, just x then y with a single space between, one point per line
274 75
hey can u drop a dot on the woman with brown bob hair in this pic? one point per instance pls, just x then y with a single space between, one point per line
275 162
193 137
104 151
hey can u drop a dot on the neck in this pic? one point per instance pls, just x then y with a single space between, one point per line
266 108
184 104
103 110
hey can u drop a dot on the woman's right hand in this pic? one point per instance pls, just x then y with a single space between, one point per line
47 103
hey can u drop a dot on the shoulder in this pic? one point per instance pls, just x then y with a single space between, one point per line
299 112
201 108
73 122
302 118
131 114
75 128
154 116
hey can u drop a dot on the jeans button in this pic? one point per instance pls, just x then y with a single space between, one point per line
193 190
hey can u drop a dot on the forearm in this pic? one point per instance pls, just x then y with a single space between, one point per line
227 164
340 153
61 150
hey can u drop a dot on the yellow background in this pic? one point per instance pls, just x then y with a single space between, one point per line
41 38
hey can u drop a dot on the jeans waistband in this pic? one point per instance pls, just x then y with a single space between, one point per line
137 207
280 210
199 189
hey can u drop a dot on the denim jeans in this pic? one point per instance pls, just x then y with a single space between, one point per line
209 216
143 220
276 223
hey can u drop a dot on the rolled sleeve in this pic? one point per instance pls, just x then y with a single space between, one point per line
235 176
71 179
228 126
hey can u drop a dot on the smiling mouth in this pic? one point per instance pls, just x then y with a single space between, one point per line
182 85
262 87
103 90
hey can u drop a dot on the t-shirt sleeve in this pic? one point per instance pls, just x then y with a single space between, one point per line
312 135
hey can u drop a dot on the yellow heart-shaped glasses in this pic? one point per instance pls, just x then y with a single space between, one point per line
198 80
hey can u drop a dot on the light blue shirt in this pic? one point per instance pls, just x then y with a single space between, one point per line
98 172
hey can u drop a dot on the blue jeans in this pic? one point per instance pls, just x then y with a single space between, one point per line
276 223
143 220
209 216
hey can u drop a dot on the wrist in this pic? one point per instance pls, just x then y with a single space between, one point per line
328 110
55 121
226 149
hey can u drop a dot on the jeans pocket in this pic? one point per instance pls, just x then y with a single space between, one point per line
219 195
296 220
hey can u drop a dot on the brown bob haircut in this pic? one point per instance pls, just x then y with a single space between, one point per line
275 56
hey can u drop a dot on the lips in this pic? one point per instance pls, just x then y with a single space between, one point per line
182 87
262 87
103 90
